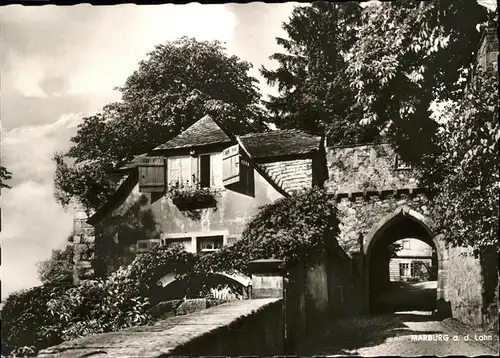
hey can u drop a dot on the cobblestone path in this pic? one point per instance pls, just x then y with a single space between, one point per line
406 334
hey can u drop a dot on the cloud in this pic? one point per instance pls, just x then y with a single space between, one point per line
104 49
32 222
32 225
27 74
152 25
27 150
254 39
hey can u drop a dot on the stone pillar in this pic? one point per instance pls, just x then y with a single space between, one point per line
267 278
83 247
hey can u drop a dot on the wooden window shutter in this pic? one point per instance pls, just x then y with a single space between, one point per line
247 177
231 165
152 174
238 174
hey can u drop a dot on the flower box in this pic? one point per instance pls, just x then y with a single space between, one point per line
190 196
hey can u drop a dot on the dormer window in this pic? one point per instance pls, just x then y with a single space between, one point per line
179 170
210 170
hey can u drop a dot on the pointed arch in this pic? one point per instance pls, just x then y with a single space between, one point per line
376 233
387 220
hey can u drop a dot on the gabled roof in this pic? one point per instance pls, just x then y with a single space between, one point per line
204 132
280 143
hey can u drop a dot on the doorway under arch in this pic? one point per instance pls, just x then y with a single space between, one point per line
403 223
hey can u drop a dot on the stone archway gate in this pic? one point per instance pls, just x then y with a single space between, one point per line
372 188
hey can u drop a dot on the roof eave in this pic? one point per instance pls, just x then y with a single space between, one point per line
189 146
122 192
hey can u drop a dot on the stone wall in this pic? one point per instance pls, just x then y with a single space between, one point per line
317 293
358 215
260 333
488 50
365 168
247 327
345 286
463 288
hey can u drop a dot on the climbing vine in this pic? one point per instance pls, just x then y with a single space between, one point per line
465 173
295 228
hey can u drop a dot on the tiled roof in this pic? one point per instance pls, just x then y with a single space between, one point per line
203 132
280 143
290 175
133 163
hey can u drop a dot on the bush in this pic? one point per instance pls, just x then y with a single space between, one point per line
26 320
47 315
293 228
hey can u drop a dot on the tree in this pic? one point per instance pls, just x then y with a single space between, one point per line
465 175
408 55
179 82
394 248
58 269
314 92
4 175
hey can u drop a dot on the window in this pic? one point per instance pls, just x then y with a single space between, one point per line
179 170
404 269
210 170
146 245
413 266
406 244
231 166
183 241
238 174
209 243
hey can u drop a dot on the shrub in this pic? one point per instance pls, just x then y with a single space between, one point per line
121 300
47 315
293 228
26 320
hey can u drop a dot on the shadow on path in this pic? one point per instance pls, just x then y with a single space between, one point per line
345 336
407 296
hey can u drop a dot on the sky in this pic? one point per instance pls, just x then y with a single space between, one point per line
59 64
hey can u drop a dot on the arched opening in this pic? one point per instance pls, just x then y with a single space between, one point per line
402 264
218 285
